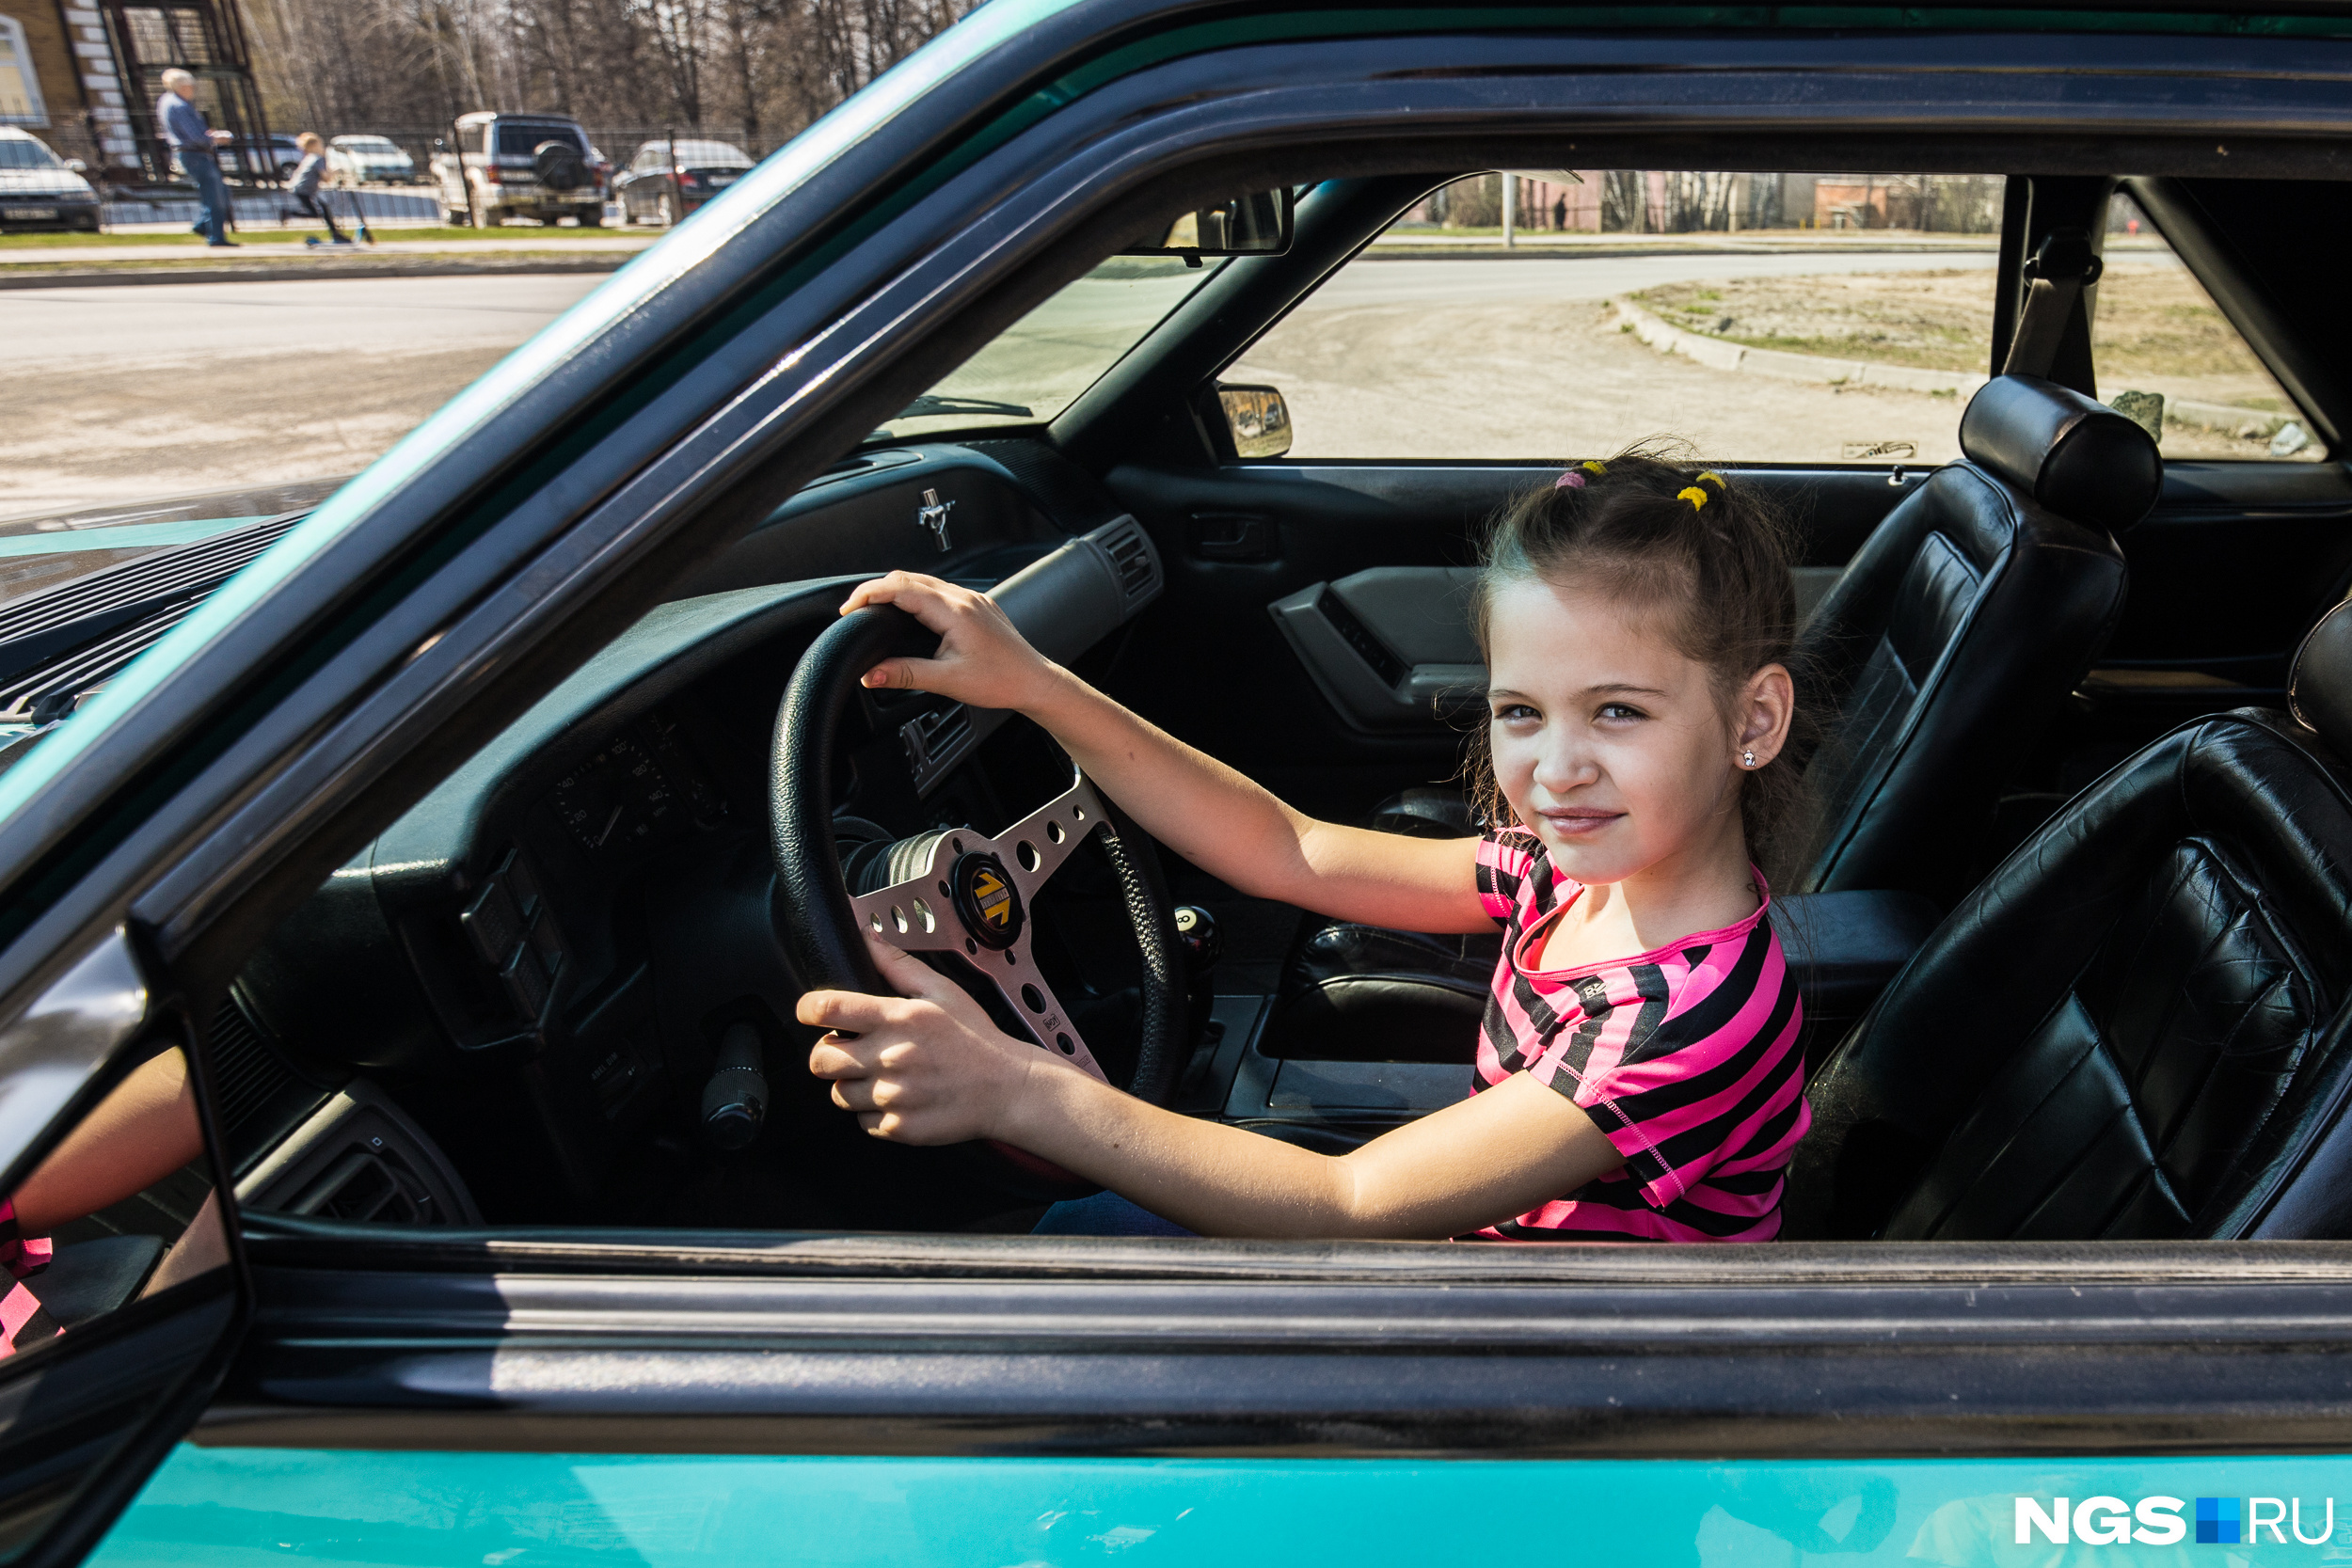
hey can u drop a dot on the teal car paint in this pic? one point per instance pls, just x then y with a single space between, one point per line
231 1507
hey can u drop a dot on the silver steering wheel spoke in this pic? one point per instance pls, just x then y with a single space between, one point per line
973 897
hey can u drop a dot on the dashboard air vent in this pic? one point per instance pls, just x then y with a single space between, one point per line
247 1076
1133 558
935 742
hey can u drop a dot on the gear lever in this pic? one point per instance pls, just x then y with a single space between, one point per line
1202 944
734 1101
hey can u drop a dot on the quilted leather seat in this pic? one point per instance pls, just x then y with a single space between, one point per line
1959 626
2136 1027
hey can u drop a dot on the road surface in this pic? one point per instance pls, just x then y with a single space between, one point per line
119 393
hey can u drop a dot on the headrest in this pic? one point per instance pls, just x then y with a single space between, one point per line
2319 683
2080 459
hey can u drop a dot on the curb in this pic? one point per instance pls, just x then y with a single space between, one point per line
269 273
1716 354
1439 251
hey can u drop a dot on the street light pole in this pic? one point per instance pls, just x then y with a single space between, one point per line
1510 208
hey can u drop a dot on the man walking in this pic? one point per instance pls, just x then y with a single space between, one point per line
193 143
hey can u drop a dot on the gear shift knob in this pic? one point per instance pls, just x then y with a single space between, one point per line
1197 932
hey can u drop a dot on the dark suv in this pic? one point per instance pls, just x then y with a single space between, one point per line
520 165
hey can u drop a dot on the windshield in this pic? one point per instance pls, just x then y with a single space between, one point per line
25 155
1037 367
708 152
524 137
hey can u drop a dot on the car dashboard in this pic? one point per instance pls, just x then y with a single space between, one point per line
511 998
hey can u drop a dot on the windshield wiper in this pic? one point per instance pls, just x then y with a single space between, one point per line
930 403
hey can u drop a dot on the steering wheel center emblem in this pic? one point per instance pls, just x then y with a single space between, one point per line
988 903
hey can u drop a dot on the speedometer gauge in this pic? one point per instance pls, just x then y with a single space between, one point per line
618 796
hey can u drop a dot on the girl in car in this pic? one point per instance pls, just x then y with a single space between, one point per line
1638 1074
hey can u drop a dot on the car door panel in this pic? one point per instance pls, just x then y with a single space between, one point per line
1242 539
2236 564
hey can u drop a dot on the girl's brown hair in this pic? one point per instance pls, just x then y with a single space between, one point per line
1648 527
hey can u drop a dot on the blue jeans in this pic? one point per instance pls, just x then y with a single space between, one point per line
212 190
1104 1215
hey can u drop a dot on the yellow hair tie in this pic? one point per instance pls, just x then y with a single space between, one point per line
1697 496
1710 473
1593 465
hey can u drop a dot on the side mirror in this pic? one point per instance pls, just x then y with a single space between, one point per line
76 165
1258 224
1259 419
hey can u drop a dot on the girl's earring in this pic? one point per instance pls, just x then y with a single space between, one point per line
1747 759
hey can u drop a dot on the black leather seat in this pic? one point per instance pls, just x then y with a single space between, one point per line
1959 626
2136 1027
1965 619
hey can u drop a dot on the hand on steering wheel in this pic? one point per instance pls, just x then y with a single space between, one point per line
925 1067
983 658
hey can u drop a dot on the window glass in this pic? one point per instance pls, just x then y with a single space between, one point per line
524 136
20 95
2168 357
1812 318
1037 367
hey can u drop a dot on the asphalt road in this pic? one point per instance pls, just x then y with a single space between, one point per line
122 393
174 322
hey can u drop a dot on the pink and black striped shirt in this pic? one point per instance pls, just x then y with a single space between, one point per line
1686 1058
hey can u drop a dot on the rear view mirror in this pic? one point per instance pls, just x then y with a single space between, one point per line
1259 419
1258 224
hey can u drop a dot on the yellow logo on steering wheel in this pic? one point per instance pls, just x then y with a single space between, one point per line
993 899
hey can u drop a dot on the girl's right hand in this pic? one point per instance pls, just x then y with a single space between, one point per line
983 658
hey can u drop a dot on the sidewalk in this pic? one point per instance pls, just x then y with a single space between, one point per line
262 260
251 245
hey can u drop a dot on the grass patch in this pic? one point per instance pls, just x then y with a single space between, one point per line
2154 323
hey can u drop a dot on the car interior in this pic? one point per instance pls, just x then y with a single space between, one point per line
2072 924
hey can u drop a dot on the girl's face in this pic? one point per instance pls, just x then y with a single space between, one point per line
1610 742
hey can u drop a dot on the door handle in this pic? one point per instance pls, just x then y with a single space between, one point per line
1231 536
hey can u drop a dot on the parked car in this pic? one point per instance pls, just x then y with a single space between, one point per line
668 179
538 167
40 190
462 857
271 157
354 160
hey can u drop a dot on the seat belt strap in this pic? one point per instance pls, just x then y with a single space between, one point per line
2054 280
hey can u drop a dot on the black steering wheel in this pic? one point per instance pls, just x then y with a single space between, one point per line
954 891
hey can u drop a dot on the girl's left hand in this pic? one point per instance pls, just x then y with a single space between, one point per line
926 1067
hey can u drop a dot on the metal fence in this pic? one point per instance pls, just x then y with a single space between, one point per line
618 143
268 209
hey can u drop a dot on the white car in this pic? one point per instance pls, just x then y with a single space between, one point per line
369 161
40 191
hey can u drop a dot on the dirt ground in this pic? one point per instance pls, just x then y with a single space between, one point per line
1509 381
80 438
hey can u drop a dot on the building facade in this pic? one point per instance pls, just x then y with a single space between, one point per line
84 76
60 80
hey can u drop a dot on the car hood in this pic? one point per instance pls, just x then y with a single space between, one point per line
41 555
44 182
